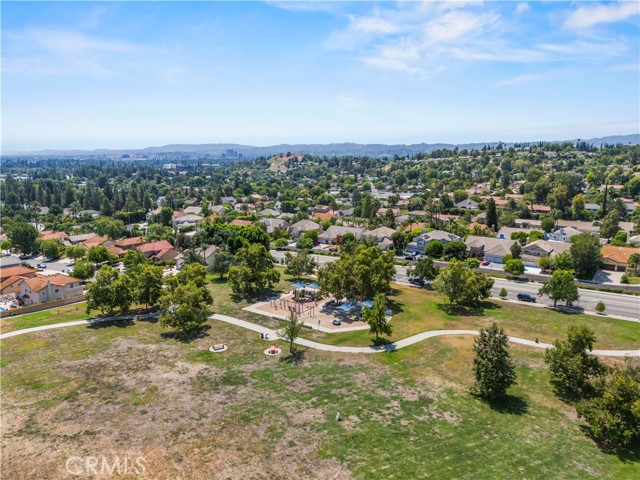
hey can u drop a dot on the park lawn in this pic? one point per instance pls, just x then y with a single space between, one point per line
67 313
418 310
404 413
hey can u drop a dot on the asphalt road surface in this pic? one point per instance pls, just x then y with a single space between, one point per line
617 304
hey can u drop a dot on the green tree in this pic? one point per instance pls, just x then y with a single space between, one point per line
132 259
455 249
492 215
434 249
6 246
75 252
164 216
300 264
147 284
23 236
109 292
535 235
253 271
521 237
110 227
83 270
585 252
220 263
99 254
472 262
561 287
547 223
376 317
571 368
51 249
424 270
577 206
503 293
613 413
610 225
634 260
516 250
493 367
185 307
362 275
600 307
462 285
514 267
544 263
562 261
290 331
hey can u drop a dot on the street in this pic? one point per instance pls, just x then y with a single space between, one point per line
617 304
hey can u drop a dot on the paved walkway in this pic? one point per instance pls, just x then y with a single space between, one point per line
405 342
273 334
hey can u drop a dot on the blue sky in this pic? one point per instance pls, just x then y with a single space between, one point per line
135 74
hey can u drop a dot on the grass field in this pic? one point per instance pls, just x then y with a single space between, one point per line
66 313
406 414
123 387
416 311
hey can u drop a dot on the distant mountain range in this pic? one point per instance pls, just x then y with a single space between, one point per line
330 149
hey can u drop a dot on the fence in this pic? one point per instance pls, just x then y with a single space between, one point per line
42 306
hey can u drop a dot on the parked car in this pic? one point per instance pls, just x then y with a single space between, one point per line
336 322
23 256
525 297
485 263
42 266
411 256
416 281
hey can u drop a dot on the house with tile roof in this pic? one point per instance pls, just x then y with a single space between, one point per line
488 248
32 290
616 258
158 251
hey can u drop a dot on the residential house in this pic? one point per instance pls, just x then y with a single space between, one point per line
580 226
193 210
303 226
96 241
505 232
91 213
533 251
635 240
383 211
539 208
347 212
159 251
240 223
592 207
269 212
421 241
129 243
81 238
60 237
382 236
217 209
273 223
488 248
16 271
334 233
467 204
228 200
616 258
563 234
324 216
186 221
32 290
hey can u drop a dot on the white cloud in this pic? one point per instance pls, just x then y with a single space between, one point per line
520 79
523 7
372 25
590 15
66 42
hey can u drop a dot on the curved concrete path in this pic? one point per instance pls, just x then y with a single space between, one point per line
405 342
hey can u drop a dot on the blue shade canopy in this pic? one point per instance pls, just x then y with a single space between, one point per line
299 284
313 285
367 303
347 307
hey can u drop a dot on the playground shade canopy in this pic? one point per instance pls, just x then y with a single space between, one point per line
367 303
347 307
299 284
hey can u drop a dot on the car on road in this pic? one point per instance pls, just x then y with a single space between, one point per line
411 256
336 322
525 297
42 266
485 263
416 281
23 256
